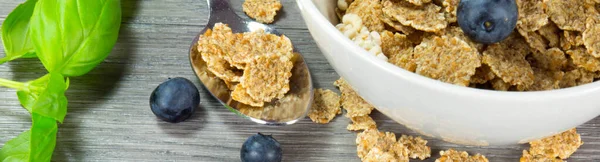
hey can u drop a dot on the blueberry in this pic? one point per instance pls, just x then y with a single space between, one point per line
175 100
261 148
487 21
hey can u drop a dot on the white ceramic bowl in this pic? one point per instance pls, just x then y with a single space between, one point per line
455 114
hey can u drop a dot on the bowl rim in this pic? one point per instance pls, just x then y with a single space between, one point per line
440 86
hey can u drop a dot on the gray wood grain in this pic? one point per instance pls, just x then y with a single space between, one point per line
109 117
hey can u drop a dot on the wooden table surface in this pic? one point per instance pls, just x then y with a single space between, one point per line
109 118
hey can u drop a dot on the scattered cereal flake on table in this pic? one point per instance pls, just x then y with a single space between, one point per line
450 10
263 11
351 101
447 59
417 147
452 155
366 140
551 59
483 74
397 25
419 2
535 40
325 107
426 17
544 80
584 60
507 61
577 77
551 33
398 49
361 123
531 15
267 77
561 145
241 95
377 155
567 14
401 152
369 11
591 39
537 158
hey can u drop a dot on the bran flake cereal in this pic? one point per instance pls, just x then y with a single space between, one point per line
500 85
590 38
263 11
366 140
537 158
544 80
507 61
369 12
584 60
241 95
551 33
455 31
535 40
425 18
570 39
267 77
531 15
483 74
361 123
325 107
417 147
398 49
447 59
377 155
560 145
419 2
568 14
552 59
450 7
452 155
250 45
351 101
214 54
396 25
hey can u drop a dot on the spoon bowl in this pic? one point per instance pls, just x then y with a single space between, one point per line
288 110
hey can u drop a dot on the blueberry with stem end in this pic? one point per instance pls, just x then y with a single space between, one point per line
487 21
261 148
175 100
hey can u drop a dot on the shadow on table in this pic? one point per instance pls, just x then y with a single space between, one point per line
91 90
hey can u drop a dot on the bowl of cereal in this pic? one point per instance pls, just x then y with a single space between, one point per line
413 63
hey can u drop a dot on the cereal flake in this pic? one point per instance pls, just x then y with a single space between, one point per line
567 14
544 80
561 145
551 33
482 75
426 17
570 40
263 11
241 95
577 77
398 49
419 2
417 147
591 39
552 59
535 40
537 158
325 107
369 11
396 25
531 15
361 123
267 77
584 60
377 155
452 155
447 59
214 53
450 7
351 101
507 61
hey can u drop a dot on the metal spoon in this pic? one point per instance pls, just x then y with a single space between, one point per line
288 110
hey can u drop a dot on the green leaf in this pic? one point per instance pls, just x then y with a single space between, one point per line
50 100
17 149
73 36
43 138
15 33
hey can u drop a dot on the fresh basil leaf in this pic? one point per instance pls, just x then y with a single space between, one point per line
43 138
15 33
49 101
72 37
16 149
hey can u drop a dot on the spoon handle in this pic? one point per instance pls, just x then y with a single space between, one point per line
219 6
